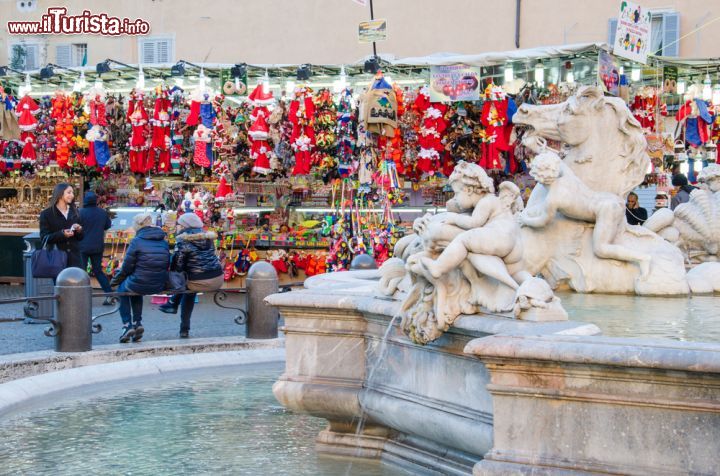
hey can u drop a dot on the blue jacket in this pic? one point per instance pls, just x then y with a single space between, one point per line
146 261
94 221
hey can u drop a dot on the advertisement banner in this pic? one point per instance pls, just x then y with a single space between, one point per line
371 31
454 83
608 73
632 36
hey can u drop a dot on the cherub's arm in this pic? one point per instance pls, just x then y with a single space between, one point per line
479 216
538 215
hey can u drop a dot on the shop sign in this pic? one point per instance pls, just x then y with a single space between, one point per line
233 86
372 31
670 76
454 83
608 73
632 36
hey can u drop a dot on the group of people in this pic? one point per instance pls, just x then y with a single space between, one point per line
637 215
147 261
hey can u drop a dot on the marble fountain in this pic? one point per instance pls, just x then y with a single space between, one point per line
461 355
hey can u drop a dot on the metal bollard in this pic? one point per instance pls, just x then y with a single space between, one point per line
363 262
73 310
262 281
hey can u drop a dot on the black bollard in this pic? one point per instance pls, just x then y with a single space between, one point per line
363 262
262 281
73 310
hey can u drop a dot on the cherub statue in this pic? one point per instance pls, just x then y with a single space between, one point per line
559 190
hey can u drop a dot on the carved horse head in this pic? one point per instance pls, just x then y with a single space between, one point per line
604 143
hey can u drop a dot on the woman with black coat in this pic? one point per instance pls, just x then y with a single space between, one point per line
60 224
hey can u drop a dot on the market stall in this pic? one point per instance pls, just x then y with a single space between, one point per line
306 166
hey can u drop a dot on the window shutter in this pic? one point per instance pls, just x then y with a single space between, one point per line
148 52
63 55
163 51
612 28
31 57
671 34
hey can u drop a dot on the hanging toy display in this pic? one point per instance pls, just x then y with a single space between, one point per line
160 144
301 114
345 132
137 116
258 133
431 132
496 117
325 138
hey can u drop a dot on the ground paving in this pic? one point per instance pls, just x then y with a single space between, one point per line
208 320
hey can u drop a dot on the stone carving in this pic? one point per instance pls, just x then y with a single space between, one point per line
467 260
694 226
574 228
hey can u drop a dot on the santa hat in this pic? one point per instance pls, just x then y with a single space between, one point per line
259 97
259 130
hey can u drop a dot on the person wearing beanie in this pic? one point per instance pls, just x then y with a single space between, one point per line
95 221
682 189
144 271
194 255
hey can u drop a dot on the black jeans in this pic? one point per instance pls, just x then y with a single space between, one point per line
96 264
186 302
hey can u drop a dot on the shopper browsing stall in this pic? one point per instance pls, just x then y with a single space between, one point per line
60 224
95 221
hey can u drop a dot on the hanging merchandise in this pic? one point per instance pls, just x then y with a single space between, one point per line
431 132
95 100
346 133
697 118
643 107
26 110
61 113
203 139
302 138
160 144
496 117
325 139
138 118
260 150
378 108
9 128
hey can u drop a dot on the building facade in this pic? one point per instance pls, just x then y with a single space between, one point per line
326 31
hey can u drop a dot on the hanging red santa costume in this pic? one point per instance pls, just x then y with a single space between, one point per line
96 105
496 116
26 110
221 169
203 136
138 118
260 149
431 132
302 137
161 131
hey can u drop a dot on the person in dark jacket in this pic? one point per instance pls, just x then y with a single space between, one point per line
634 213
144 271
60 224
195 255
683 190
95 221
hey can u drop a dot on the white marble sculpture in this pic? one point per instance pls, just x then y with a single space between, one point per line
467 260
694 226
574 228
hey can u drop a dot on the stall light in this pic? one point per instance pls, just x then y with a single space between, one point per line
76 86
707 91
681 86
289 87
249 210
621 71
266 83
141 79
81 82
389 80
98 82
540 74
340 84
636 73
28 85
570 77
509 73
716 95
179 82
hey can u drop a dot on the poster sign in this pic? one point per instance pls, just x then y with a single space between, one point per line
373 30
632 36
454 83
608 73
670 77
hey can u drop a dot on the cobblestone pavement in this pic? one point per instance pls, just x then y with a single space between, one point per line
208 320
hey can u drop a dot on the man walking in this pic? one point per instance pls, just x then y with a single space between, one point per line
94 221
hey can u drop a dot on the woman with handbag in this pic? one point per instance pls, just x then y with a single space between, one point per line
60 224
195 256
144 271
